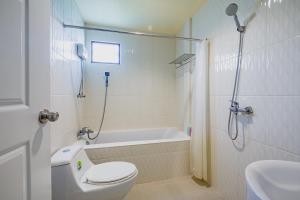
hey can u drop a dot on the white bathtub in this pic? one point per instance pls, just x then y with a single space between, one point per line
159 153
136 137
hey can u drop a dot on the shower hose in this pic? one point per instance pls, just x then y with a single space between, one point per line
103 115
81 88
234 116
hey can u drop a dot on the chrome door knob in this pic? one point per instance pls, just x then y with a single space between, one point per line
46 116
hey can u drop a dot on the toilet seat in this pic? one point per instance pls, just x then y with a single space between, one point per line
110 172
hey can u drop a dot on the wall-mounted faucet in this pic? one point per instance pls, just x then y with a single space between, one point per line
235 108
84 131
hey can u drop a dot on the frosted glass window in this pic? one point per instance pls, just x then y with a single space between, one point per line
103 52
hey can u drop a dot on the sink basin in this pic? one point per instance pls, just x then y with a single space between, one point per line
273 180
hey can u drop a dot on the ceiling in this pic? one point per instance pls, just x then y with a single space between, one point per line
157 16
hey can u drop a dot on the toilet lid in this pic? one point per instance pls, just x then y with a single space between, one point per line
110 172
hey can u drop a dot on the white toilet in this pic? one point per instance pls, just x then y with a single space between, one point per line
75 177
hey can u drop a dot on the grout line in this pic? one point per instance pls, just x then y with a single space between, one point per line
262 143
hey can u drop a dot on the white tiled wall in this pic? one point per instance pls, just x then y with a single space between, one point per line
183 80
269 83
141 91
65 72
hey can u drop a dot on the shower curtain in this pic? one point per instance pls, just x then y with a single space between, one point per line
200 112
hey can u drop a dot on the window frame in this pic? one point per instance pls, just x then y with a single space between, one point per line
102 42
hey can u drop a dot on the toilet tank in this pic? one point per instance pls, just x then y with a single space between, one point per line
68 165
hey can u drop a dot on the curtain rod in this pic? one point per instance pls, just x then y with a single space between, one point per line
131 33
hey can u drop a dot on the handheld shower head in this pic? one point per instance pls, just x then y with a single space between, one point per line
231 10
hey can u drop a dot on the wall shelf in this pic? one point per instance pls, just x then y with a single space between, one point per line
182 60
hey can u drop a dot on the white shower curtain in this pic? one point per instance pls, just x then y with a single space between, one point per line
200 112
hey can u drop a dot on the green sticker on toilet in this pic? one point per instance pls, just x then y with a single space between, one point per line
79 164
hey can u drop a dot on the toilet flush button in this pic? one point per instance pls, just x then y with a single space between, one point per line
66 150
79 164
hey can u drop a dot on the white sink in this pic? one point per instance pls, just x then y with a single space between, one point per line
273 180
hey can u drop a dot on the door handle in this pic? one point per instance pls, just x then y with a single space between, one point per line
45 116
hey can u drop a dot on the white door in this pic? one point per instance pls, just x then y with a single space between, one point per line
24 91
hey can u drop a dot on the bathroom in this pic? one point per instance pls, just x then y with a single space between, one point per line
195 99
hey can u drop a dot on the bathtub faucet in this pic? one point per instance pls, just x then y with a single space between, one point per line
84 131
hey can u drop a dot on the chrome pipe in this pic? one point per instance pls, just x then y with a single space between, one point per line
131 33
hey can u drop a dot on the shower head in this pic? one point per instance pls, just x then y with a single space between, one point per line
231 10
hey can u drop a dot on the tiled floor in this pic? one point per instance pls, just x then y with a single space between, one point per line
183 188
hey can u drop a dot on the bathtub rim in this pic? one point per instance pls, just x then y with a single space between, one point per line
122 131
135 143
